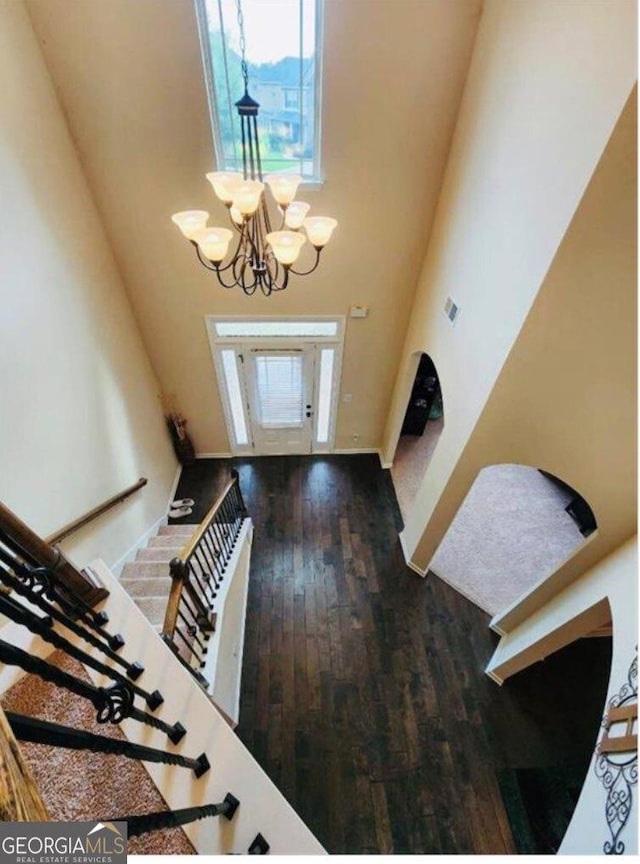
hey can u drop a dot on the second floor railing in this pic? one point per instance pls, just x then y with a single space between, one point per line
197 576
36 593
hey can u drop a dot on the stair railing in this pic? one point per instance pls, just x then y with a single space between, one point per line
36 593
197 575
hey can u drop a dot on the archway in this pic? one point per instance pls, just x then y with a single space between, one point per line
421 429
516 525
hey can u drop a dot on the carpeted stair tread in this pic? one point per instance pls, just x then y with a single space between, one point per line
177 530
80 785
156 586
144 569
153 608
162 554
167 541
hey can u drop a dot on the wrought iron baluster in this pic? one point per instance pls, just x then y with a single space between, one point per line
113 704
56 735
222 528
43 627
192 630
137 825
177 631
43 580
133 670
202 681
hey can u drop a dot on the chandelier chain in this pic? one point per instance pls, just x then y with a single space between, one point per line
243 45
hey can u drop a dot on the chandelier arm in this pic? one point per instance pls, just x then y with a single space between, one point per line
204 261
306 272
241 281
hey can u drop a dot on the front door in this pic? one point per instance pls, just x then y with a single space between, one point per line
280 393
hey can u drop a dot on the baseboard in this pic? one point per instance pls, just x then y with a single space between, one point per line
214 455
384 465
174 486
494 677
140 543
352 451
407 558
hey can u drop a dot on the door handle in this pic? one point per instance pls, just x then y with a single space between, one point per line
309 413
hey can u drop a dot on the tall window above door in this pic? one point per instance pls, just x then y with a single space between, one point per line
284 50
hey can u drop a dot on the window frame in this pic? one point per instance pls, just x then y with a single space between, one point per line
308 183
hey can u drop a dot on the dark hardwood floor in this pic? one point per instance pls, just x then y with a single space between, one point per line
363 692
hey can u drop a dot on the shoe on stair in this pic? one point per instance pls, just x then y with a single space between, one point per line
182 502
179 512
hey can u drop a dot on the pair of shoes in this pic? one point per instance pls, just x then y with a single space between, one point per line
182 502
179 512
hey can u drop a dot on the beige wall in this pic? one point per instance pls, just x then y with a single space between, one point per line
565 400
547 83
130 78
80 419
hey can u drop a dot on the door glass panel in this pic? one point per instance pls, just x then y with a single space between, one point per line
279 389
230 367
324 394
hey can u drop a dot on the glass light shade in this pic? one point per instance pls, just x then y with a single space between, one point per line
319 229
225 183
246 196
236 215
283 186
295 213
286 245
214 242
190 221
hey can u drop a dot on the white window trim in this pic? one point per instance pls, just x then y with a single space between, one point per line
244 344
308 183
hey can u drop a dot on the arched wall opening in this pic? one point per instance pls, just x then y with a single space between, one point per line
421 429
515 527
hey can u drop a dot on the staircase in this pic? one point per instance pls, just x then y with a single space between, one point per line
147 579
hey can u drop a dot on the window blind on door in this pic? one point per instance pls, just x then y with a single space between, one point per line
279 389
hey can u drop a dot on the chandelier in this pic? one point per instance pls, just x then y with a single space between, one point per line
262 258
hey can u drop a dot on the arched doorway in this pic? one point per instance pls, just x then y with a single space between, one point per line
516 525
421 429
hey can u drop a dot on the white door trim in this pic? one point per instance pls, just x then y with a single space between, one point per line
239 345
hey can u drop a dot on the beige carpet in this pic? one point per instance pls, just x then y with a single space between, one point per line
509 533
80 786
412 456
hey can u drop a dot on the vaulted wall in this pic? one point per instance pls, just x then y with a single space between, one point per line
80 414
547 84
130 78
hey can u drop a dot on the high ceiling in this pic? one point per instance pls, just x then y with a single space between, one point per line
129 78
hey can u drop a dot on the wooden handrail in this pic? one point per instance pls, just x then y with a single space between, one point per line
20 800
29 543
74 526
187 551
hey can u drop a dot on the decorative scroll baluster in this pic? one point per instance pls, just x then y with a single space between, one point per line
237 492
137 825
43 627
45 580
56 735
202 681
133 670
199 571
16 535
113 703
